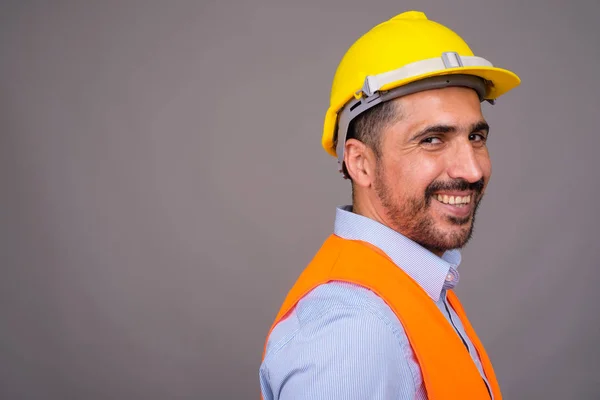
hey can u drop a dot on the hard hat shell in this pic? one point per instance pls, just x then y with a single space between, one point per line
405 39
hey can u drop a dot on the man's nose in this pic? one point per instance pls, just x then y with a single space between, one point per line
465 163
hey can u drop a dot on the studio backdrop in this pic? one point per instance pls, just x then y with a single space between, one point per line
163 184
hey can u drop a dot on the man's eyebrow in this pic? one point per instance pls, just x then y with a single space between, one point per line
434 129
481 126
441 128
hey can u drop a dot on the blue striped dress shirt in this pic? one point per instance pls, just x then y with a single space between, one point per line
342 341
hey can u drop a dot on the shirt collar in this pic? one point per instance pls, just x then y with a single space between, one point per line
434 274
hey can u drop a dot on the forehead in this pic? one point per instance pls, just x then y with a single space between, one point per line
455 106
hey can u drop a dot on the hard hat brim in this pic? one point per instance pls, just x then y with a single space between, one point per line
500 80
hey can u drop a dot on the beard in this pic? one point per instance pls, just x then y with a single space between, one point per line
413 219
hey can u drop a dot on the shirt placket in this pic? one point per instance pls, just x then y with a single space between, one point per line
449 283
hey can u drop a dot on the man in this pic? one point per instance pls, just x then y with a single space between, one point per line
374 315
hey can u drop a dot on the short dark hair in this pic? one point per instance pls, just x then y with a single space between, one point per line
368 126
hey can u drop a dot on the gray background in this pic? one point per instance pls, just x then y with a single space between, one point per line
163 185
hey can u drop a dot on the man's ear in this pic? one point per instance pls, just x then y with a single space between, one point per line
360 162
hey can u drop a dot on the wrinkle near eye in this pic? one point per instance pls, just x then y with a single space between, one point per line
407 148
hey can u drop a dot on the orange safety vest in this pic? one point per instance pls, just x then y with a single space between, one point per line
447 368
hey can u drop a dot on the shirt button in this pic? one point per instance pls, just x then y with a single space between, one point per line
449 277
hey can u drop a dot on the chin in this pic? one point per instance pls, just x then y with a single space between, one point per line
456 237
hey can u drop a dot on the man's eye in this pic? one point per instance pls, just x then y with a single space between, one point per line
431 140
477 137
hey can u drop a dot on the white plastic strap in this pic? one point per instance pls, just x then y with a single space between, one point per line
448 60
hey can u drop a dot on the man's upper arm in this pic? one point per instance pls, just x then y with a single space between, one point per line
347 352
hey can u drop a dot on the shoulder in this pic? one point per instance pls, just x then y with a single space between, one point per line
346 303
336 333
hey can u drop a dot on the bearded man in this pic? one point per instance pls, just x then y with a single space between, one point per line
374 315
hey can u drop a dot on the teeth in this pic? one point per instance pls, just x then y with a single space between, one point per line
455 200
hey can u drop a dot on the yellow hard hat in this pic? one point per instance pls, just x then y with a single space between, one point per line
406 54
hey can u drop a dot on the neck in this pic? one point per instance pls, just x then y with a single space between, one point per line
368 209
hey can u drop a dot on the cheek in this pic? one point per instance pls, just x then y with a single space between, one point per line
410 178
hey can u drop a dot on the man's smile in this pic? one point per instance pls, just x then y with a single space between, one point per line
454 200
457 204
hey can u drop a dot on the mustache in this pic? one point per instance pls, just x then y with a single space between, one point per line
456 184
